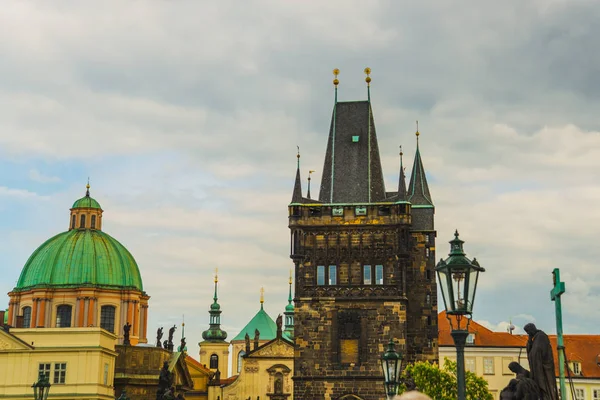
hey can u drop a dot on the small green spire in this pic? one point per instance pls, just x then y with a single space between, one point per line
289 312
214 332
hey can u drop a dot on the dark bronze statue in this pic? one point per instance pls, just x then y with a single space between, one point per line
541 362
165 381
279 323
126 329
182 345
171 333
522 387
247 338
256 338
159 335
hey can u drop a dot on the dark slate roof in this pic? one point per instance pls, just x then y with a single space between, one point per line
352 157
418 190
297 195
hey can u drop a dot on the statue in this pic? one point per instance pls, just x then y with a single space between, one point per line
166 345
126 329
165 380
247 338
171 333
182 346
279 323
522 387
123 396
159 335
256 338
541 362
218 376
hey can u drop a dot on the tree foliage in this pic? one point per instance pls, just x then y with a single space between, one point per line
440 383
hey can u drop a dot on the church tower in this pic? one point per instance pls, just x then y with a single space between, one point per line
361 276
214 350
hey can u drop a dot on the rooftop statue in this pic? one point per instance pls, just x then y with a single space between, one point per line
541 362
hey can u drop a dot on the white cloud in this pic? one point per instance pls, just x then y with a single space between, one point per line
37 176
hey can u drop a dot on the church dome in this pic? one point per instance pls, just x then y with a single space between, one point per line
79 258
84 256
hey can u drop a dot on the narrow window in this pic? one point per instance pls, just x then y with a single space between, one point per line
214 361
349 331
278 385
470 364
320 275
428 275
93 222
333 275
579 394
105 374
596 394
60 372
241 355
63 316
366 274
379 274
27 317
73 220
427 252
428 320
82 222
488 366
428 299
107 318
44 370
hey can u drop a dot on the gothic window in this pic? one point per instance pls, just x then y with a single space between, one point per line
73 220
278 385
366 274
349 333
333 274
214 361
428 275
427 252
63 316
27 317
379 274
107 318
326 275
93 222
320 275
82 222
241 355
428 299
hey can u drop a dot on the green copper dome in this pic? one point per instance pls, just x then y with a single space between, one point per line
87 202
79 258
261 321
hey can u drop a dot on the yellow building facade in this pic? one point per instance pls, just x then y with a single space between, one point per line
78 362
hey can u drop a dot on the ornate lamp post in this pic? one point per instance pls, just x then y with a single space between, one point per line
391 364
41 388
458 281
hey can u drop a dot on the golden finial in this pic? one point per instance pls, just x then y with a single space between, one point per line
336 72
298 155
87 188
368 78
216 275
417 132
262 295
290 276
401 153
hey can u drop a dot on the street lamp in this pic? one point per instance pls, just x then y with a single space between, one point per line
41 388
391 364
458 281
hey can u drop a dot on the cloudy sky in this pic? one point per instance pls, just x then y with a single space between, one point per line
186 115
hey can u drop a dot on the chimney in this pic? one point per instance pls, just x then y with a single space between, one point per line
2 312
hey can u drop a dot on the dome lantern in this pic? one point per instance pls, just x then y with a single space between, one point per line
86 213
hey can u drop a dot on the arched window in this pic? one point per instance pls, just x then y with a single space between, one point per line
82 221
27 317
241 355
278 385
63 316
93 222
107 318
214 361
73 220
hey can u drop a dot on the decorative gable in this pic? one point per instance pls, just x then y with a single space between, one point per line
274 349
11 342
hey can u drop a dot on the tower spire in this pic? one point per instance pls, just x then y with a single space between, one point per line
418 189
214 332
297 194
401 180
308 192
289 313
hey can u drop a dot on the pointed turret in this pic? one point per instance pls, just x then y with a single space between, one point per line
214 332
352 170
401 180
418 190
297 194
289 313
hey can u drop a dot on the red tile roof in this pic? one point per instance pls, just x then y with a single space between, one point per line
584 349
196 363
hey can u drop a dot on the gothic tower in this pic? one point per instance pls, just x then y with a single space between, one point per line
214 350
362 275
